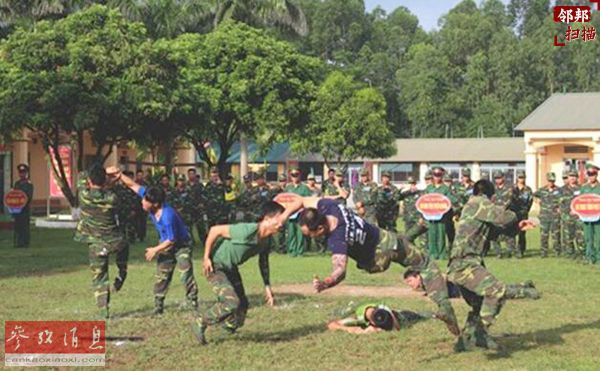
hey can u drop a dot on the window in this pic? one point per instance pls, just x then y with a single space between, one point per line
454 169
509 170
272 173
399 171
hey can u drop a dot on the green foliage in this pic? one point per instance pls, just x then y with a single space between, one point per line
348 121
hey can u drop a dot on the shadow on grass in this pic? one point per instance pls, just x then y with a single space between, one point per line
534 339
279 335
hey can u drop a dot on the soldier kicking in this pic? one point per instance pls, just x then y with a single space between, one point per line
373 249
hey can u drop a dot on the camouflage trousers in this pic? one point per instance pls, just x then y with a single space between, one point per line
129 229
180 256
572 234
504 237
369 216
141 225
591 232
469 274
398 249
232 304
550 225
99 254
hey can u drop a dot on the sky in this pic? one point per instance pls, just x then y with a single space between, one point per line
428 11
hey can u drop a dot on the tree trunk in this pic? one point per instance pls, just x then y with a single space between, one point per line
59 170
243 155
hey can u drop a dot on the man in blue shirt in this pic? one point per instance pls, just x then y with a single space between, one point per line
174 248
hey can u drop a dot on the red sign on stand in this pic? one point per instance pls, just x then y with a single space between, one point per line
65 156
15 200
433 206
587 207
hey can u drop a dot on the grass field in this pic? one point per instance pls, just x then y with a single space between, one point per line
51 281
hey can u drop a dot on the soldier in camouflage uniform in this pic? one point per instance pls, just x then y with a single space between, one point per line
591 230
453 212
409 197
311 183
481 290
227 247
522 199
180 200
503 198
214 192
128 209
549 197
197 201
364 196
337 191
254 199
436 233
386 209
328 186
98 228
572 231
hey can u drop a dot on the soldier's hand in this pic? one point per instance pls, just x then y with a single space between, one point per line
318 285
150 253
207 267
113 171
269 298
526 224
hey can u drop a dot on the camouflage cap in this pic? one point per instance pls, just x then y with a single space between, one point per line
498 174
551 177
364 172
437 171
214 170
520 173
282 177
466 171
22 167
181 177
573 172
295 172
411 180
259 174
311 176
339 172
447 178
386 174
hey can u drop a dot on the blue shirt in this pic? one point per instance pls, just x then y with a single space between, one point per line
170 226
353 236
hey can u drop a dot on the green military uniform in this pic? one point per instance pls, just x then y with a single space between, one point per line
356 315
549 197
98 228
280 238
436 233
522 199
366 193
409 197
464 190
181 200
572 227
387 209
23 219
481 290
296 241
128 208
503 198
232 304
591 230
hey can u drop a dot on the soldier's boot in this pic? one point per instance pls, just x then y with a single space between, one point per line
529 283
119 281
447 316
484 340
230 325
467 340
159 306
199 330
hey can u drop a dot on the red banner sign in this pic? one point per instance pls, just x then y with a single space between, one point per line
433 206
65 156
572 14
587 207
15 200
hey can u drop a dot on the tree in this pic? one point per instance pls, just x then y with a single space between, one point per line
245 82
65 78
348 121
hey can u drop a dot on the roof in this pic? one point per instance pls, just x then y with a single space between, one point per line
411 150
458 150
565 111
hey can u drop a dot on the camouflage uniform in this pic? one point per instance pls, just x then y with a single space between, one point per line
387 209
410 213
216 211
197 201
503 198
366 193
482 291
329 189
128 208
522 199
180 200
549 215
98 228
252 201
572 227
179 255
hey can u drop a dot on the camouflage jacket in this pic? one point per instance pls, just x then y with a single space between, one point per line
478 216
387 202
301 189
522 199
462 193
214 195
181 201
252 201
367 194
197 199
315 192
98 223
503 196
409 199
328 188
129 204
549 201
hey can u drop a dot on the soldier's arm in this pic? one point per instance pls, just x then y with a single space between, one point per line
263 265
115 172
215 232
339 263
495 214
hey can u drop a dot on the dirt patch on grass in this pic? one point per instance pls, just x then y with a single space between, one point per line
350 290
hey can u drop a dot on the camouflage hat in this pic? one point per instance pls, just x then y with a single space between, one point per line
572 172
520 173
466 171
259 174
411 180
295 172
214 170
386 174
428 174
447 178
551 177
498 174
181 177
364 172
437 171
311 176
22 167
339 172
282 177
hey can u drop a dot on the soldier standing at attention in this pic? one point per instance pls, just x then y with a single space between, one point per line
22 219
174 247
387 209
572 232
591 230
98 228
436 233
338 191
328 186
296 242
503 197
214 191
196 199
142 216
522 201
482 291
549 198
180 201
409 199
365 197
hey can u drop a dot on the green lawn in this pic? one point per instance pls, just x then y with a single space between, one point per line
51 281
